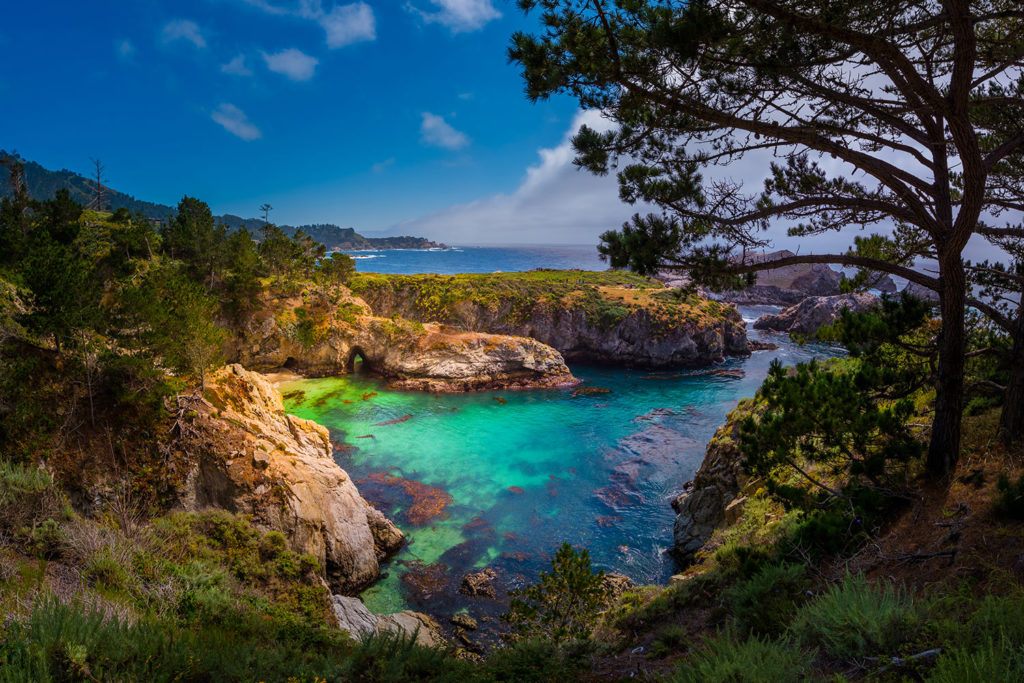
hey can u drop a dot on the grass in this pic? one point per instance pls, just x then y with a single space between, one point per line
729 657
855 619
606 298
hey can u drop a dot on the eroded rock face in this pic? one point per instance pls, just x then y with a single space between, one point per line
411 355
639 339
701 508
815 312
353 616
248 456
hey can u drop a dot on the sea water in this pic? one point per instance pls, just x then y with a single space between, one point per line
500 479
478 259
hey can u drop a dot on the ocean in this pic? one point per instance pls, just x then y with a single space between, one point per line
501 479
477 259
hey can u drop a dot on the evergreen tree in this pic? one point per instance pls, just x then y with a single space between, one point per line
872 113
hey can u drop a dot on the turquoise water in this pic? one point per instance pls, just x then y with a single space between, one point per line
528 470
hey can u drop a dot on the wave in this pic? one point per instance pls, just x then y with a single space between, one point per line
359 258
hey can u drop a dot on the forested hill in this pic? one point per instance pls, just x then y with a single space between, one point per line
43 184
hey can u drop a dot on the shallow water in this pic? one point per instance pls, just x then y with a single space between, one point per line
528 470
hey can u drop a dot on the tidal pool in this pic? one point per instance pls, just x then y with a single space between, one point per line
501 479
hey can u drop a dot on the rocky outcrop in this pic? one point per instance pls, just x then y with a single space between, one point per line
784 286
917 291
815 312
609 325
718 483
246 455
353 616
318 338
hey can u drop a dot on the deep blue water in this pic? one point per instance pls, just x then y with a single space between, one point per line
477 259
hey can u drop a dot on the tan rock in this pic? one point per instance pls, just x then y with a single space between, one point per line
288 481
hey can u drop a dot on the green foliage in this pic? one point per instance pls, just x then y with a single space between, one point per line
1009 497
30 504
729 657
852 619
830 433
768 601
534 659
564 604
998 659
671 639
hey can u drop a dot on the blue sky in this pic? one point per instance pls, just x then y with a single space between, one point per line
396 114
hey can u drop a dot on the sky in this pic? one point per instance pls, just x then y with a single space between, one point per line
396 115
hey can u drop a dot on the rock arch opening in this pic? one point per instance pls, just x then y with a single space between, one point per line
357 362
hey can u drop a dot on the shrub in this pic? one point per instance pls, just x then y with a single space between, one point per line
1009 499
853 619
998 659
728 658
565 602
768 601
531 660
28 498
671 639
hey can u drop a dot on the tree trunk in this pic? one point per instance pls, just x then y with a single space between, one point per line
944 448
1011 420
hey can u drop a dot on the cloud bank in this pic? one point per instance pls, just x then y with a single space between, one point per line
183 29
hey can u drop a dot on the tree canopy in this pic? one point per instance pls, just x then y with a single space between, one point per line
904 116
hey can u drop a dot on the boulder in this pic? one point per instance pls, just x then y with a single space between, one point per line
479 584
915 290
815 312
246 455
701 508
615 585
353 616
463 620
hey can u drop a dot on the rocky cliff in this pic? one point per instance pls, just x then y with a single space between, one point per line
622 322
814 312
246 455
326 332
716 491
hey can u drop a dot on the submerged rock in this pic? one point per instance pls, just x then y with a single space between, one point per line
246 455
463 620
428 502
353 616
479 584
815 312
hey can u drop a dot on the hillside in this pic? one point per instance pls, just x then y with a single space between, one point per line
43 184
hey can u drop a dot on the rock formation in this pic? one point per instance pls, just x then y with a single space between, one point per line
246 455
815 312
718 483
318 338
613 325
353 616
784 286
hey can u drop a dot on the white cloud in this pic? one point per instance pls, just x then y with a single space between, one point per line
435 131
382 166
461 16
342 24
294 64
555 203
125 50
236 122
236 67
348 24
183 29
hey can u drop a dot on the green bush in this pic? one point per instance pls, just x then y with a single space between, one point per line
1009 500
853 619
564 604
531 660
998 659
669 640
28 498
729 658
768 601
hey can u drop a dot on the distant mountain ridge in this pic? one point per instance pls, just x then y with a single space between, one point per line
43 183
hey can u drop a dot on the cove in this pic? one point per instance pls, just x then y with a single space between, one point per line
501 479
